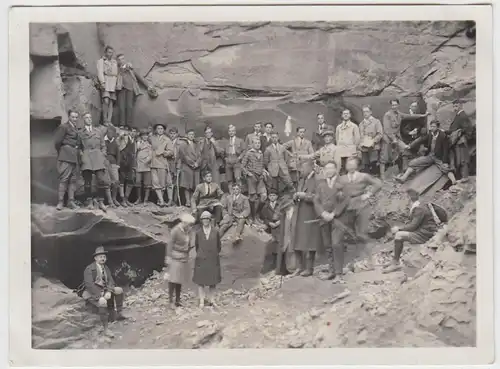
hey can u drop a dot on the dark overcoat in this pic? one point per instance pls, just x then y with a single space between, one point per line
89 279
307 236
207 262
67 143
188 164
93 154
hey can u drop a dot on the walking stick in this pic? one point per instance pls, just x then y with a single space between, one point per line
178 189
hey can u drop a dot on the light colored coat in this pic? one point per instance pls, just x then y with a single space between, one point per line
347 138
162 149
371 127
93 154
298 147
107 73
144 155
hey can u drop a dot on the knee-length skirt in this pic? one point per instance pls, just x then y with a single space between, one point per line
178 272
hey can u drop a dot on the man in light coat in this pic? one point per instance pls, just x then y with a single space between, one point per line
347 138
163 149
275 162
298 146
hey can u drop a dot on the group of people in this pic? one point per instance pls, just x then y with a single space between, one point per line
308 194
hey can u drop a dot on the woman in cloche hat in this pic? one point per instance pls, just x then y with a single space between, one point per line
207 270
178 256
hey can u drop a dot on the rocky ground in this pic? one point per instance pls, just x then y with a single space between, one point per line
430 303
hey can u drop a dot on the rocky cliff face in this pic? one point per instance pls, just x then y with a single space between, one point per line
240 73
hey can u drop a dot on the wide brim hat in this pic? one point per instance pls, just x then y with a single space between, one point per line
187 218
206 215
327 132
99 251
159 124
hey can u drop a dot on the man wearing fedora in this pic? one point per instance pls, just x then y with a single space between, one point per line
371 132
101 291
162 149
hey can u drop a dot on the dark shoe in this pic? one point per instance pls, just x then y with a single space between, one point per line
297 272
59 206
124 204
119 316
391 268
306 273
178 304
72 205
339 279
138 201
116 203
129 203
330 276
101 206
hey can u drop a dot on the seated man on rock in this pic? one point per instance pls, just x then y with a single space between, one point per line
101 291
423 225
236 209
207 197
438 154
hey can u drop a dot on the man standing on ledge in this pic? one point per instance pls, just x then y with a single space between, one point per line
93 161
347 138
67 145
107 73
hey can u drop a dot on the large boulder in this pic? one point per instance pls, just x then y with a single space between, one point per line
43 40
46 92
59 316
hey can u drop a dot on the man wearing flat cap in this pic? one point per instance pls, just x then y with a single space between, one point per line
101 291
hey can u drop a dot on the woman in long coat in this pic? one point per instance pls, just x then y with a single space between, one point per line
207 262
177 258
307 236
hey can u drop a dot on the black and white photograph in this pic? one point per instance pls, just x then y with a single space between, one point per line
260 184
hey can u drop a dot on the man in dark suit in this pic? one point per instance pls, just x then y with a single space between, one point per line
101 290
330 204
93 161
67 144
422 226
317 137
438 153
460 131
275 163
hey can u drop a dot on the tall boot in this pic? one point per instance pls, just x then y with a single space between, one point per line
109 197
128 191
404 162
105 192
258 210
71 196
382 172
103 315
299 258
170 194
139 199
89 203
159 195
146 195
60 196
122 195
252 210
464 171
309 264
114 193
187 195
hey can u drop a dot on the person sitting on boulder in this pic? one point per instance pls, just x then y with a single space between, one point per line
101 290
143 157
423 225
207 197
236 209
271 217
438 154
207 270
